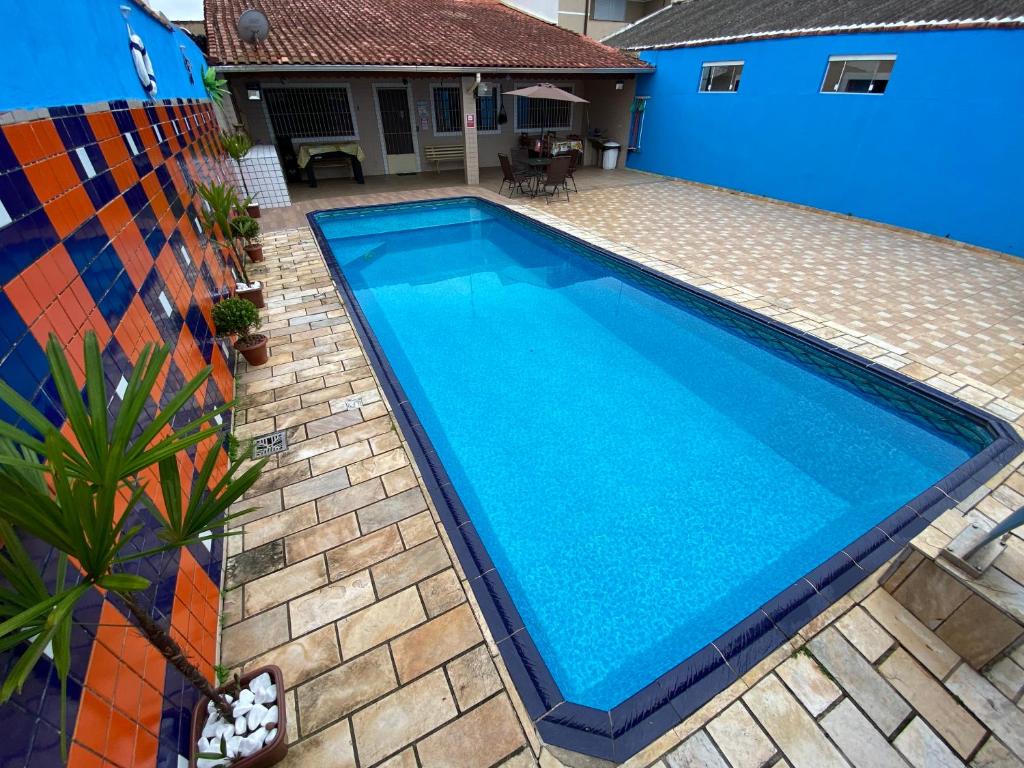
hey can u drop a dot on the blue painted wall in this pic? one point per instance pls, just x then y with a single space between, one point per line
76 52
941 151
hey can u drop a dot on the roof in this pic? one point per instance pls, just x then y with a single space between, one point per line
479 34
706 22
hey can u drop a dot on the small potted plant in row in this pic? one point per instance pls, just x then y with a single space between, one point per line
237 145
69 487
247 229
219 214
238 317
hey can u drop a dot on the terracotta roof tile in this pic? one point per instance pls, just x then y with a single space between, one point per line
440 33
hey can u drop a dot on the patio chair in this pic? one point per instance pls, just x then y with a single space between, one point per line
577 159
519 157
512 178
555 177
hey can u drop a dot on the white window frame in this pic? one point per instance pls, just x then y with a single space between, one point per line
298 141
857 57
433 111
571 87
625 13
706 64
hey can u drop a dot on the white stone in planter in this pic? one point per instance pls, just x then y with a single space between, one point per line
256 716
254 725
252 742
266 695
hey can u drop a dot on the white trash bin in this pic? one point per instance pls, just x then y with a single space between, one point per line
610 156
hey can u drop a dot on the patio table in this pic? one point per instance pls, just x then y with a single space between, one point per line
311 154
537 166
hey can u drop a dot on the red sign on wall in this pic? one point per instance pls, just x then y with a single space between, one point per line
470 120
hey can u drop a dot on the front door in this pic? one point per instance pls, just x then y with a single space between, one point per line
396 129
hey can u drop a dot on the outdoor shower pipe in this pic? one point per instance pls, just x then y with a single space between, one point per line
1013 521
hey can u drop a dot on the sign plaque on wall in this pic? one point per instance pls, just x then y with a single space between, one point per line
423 115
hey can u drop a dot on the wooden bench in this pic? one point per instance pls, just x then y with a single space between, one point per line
438 153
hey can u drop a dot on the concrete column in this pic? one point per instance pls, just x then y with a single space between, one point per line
469 132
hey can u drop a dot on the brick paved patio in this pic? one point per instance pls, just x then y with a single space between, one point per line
344 578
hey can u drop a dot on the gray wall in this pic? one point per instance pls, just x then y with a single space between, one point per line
608 109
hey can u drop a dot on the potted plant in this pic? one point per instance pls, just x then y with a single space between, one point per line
247 229
238 317
221 202
216 88
84 489
249 207
237 145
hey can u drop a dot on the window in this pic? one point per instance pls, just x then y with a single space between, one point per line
447 109
487 108
609 10
313 112
544 114
721 76
857 74
447 102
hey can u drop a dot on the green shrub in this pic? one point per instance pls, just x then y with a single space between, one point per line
216 87
246 228
236 144
238 316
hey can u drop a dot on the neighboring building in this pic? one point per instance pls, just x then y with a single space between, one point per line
908 114
400 79
594 18
196 29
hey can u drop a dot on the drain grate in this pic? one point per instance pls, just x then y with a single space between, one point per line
264 445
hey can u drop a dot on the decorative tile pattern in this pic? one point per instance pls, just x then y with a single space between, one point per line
99 232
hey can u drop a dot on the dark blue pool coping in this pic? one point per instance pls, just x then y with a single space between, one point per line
621 732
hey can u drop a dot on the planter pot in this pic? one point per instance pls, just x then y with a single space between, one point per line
253 210
272 753
255 295
254 252
255 352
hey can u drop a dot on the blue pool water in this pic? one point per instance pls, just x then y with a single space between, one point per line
643 474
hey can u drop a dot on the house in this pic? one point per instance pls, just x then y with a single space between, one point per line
414 87
904 113
594 18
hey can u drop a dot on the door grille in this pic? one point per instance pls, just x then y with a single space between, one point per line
394 120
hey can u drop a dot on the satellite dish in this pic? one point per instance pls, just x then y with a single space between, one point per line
253 26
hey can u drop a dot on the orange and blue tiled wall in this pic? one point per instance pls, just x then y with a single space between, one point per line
99 230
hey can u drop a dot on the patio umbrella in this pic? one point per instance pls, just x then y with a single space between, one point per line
545 91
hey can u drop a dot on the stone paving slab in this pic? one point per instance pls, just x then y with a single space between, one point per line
345 578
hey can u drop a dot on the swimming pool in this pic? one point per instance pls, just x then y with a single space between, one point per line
649 488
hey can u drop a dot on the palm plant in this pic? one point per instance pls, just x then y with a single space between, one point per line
237 145
96 471
221 205
216 87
